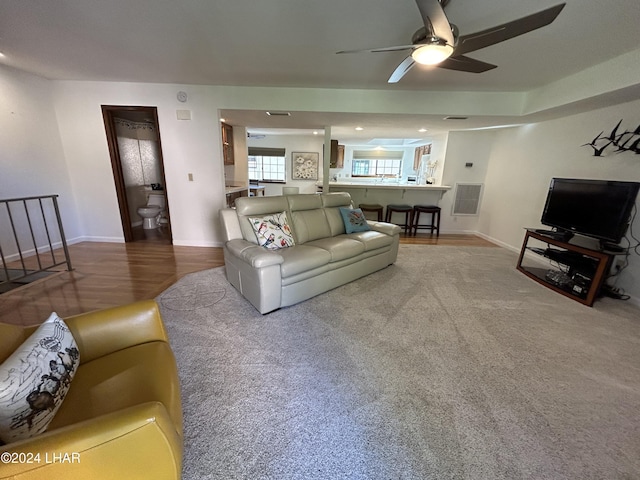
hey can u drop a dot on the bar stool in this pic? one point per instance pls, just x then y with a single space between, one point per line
372 207
408 215
434 210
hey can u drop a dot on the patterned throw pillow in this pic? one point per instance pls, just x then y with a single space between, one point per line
354 220
273 231
35 379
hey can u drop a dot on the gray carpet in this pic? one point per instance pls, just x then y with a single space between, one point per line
449 364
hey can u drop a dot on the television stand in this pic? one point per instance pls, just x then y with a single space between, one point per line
573 271
565 236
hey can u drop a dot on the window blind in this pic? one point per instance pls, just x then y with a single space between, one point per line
371 154
266 152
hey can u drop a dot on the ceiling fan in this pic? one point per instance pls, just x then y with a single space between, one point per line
439 43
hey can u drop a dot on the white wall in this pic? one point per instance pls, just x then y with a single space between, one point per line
189 146
461 148
32 160
524 159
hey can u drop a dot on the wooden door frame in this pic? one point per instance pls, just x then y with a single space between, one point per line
108 115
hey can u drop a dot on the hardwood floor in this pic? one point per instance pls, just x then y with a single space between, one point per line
111 274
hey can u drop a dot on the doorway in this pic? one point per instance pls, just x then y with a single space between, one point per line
133 136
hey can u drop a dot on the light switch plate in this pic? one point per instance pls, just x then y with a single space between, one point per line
183 114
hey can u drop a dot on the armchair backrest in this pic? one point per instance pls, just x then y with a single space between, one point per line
11 337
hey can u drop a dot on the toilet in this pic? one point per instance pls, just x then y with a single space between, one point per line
152 211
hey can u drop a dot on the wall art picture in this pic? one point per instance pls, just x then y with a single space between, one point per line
304 165
617 141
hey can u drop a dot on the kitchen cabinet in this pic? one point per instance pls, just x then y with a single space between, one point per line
227 144
336 159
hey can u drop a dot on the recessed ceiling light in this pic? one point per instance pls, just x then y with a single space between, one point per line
2 55
223 120
359 129
315 132
422 130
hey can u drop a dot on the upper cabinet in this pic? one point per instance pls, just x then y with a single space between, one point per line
337 155
227 144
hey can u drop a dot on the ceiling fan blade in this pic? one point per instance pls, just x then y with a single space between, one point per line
466 64
381 49
435 20
401 70
500 33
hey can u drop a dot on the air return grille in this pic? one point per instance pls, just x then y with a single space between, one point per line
467 199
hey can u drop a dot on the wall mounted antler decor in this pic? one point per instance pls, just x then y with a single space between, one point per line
627 141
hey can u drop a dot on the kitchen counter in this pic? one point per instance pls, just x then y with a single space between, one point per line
234 188
387 193
393 186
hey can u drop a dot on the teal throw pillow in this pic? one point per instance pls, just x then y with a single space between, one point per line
354 220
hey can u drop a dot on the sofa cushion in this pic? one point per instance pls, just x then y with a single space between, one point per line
272 231
372 240
308 219
257 206
35 379
332 203
354 220
301 258
339 247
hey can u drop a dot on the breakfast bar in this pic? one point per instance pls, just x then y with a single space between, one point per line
390 193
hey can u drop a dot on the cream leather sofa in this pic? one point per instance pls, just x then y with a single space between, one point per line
122 416
323 257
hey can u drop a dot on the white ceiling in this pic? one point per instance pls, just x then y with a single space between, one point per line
292 43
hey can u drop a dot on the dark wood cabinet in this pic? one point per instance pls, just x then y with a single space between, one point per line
227 144
336 159
231 197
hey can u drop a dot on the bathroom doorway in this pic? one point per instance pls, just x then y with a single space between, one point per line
133 136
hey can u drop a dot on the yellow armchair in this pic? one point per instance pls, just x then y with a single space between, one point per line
122 417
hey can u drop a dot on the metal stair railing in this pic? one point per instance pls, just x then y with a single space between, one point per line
30 229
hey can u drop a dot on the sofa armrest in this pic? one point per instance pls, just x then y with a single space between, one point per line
383 227
106 331
254 255
230 224
137 442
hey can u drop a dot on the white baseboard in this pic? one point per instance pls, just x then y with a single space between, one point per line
92 238
43 250
497 242
190 243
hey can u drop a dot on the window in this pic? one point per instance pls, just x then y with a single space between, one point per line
267 164
371 163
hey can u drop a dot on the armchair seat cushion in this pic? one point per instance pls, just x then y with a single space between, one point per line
139 374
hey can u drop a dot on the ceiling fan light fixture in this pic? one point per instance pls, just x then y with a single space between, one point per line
432 53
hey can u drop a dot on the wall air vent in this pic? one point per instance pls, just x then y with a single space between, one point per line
279 114
467 199
455 117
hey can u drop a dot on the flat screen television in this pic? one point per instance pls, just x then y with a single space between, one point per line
595 208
